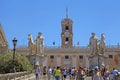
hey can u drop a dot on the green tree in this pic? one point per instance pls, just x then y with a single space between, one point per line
21 63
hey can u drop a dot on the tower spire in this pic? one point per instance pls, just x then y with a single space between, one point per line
66 12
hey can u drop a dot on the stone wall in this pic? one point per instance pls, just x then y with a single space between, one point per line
11 76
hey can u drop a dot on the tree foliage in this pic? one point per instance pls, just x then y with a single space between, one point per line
21 63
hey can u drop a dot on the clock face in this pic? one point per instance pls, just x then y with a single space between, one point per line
67 34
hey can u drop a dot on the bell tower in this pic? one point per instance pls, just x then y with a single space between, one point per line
66 34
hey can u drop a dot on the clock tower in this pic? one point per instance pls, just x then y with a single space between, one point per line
66 34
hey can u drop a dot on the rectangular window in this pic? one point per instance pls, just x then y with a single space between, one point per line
51 57
66 57
80 57
110 56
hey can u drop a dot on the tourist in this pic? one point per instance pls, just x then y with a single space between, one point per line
37 72
113 74
64 74
44 72
75 73
72 73
57 73
103 70
97 74
62 70
49 72
80 74
106 75
53 73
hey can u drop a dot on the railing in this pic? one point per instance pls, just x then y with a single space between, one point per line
61 48
11 76
73 47
113 46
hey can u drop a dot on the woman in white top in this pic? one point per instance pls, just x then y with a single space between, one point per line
97 74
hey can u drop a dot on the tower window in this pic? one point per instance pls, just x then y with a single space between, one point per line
51 57
66 41
66 28
66 57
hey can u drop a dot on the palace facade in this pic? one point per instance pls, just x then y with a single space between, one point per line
68 55
73 56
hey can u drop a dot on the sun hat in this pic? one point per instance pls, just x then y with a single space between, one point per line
96 68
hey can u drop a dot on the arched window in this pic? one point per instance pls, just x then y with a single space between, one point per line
66 40
66 29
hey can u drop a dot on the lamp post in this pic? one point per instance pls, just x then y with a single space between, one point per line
14 49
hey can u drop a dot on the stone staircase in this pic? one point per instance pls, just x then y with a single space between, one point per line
25 77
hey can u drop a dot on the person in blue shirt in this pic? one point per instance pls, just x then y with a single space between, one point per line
37 72
65 73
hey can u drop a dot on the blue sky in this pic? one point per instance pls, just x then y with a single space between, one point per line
21 17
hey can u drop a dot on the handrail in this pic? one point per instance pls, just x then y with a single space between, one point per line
10 76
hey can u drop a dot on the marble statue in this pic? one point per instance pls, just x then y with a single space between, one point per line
102 44
39 43
97 49
37 48
93 43
31 44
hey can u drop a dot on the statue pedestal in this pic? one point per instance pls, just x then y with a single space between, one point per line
37 59
97 60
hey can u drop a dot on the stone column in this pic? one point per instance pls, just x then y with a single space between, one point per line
119 60
87 62
74 61
58 60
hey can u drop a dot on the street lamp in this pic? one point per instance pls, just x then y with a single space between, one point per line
14 44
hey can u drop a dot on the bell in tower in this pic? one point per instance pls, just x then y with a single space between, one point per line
67 34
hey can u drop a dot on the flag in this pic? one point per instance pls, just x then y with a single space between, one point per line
54 43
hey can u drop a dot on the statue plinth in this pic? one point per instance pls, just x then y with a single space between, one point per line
97 60
37 60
